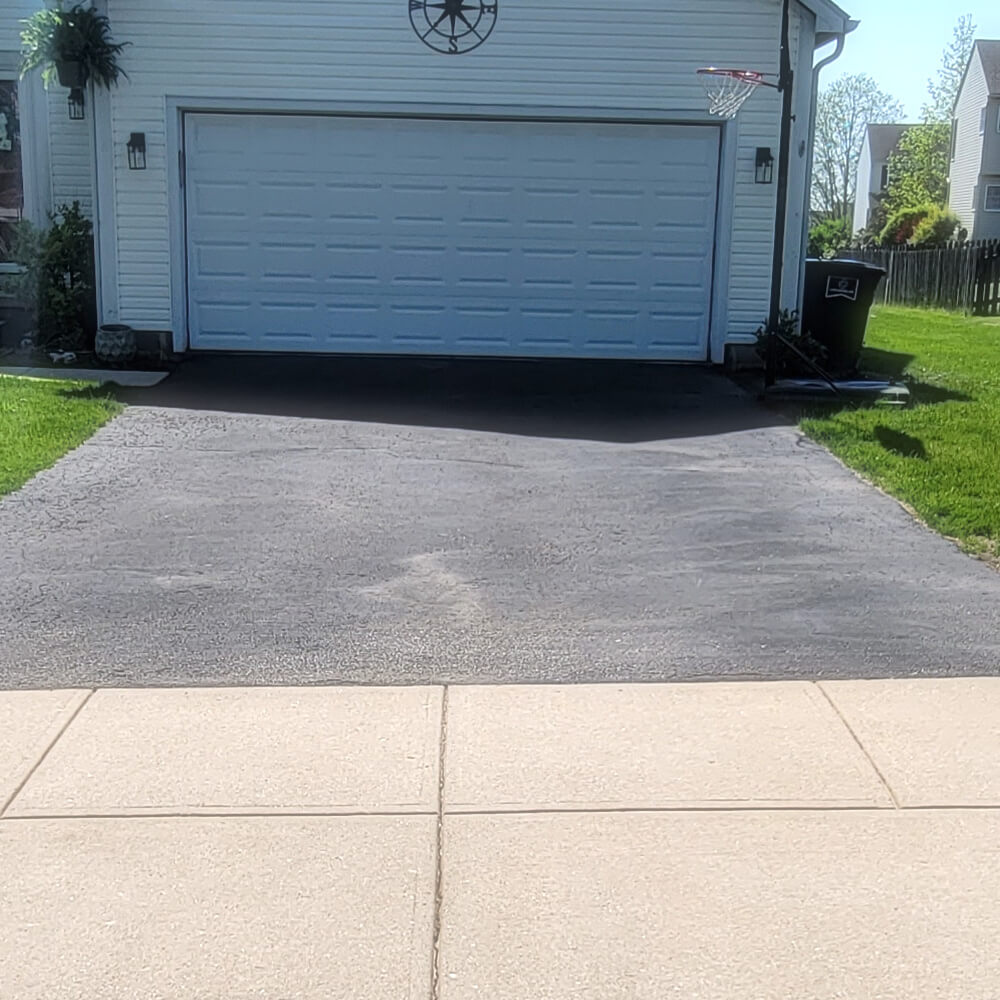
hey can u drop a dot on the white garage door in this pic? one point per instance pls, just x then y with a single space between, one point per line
434 236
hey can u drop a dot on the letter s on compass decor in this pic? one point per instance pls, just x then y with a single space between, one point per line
453 26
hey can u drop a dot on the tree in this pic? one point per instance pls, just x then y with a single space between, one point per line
845 109
918 167
920 164
943 90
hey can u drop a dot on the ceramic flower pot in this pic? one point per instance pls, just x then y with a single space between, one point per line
114 344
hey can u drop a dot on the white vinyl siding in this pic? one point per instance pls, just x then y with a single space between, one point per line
968 162
991 145
11 15
864 186
545 54
70 153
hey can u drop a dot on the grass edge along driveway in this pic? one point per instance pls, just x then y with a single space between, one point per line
940 457
42 419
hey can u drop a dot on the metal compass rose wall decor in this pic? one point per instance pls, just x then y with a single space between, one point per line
453 26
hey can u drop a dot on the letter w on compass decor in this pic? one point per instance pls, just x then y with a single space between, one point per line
453 26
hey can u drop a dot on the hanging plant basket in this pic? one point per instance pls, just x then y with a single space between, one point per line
71 73
73 46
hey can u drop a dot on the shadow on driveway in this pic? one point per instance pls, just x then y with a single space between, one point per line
584 400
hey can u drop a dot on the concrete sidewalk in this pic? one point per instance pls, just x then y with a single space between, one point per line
832 840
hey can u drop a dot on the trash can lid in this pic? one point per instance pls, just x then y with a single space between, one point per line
838 261
843 266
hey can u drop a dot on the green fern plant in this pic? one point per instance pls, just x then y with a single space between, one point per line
79 35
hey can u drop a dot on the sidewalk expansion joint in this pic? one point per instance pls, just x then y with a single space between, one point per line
727 809
860 745
38 763
512 813
439 852
278 814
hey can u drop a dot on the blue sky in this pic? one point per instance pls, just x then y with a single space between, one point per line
899 42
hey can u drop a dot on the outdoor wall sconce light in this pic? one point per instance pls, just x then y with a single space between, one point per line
77 108
136 151
764 168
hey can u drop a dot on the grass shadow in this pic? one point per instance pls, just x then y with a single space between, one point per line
105 391
894 365
904 445
890 363
926 393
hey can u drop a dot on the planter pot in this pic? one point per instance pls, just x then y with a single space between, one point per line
114 344
71 73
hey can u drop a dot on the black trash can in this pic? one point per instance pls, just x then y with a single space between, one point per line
838 298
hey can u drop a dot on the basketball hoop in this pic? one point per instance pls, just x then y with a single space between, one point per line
729 89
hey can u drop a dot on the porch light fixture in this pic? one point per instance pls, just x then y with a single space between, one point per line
77 106
136 147
764 166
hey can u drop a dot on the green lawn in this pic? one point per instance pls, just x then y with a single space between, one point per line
42 419
942 456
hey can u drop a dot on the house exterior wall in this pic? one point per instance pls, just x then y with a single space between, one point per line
988 223
567 54
966 165
70 152
14 11
991 146
57 152
867 175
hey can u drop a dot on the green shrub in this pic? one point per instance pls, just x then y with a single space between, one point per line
56 281
902 224
826 238
935 229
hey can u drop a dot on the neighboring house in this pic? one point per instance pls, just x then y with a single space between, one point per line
318 179
873 169
975 160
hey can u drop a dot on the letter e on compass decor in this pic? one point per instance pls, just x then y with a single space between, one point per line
453 26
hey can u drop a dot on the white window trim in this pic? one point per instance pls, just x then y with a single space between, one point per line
986 197
34 138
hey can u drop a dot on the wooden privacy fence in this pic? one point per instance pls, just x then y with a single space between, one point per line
962 276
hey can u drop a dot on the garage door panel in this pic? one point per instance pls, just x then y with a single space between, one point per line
311 233
543 331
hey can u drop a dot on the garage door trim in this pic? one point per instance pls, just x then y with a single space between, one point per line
178 107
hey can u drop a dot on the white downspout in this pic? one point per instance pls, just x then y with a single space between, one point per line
806 214
95 200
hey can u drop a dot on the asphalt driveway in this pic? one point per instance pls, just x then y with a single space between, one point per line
302 521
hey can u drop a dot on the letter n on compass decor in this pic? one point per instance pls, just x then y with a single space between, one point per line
453 26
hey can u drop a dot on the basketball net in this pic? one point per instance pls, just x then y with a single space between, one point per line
728 89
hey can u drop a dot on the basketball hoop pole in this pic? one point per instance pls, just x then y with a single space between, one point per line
786 82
